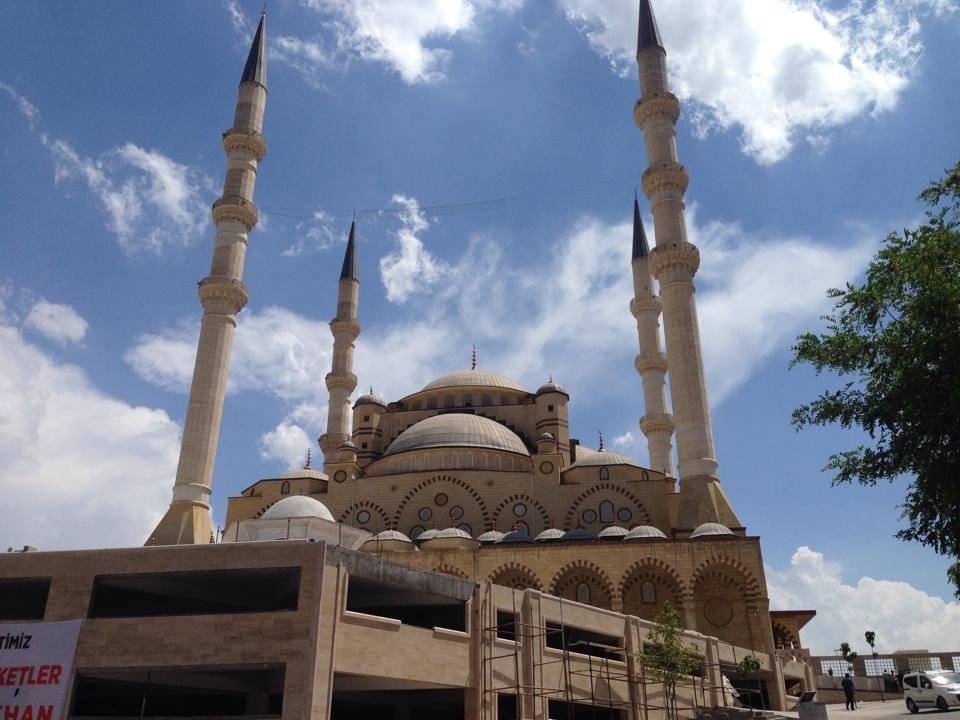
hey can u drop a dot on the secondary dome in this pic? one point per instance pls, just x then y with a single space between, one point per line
614 532
302 473
490 536
297 506
551 386
710 528
370 398
645 532
549 535
473 378
457 430
587 458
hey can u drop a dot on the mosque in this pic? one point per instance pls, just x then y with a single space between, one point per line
463 527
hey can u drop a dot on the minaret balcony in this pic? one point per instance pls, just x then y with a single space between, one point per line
245 140
217 291
233 208
656 106
665 177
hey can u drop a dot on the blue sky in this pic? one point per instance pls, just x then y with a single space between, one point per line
808 129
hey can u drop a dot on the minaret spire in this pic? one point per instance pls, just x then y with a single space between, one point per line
656 424
222 295
345 327
674 262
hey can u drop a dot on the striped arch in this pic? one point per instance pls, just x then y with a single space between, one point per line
450 570
485 514
649 569
516 576
508 503
642 516
567 578
734 569
262 510
379 519
783 639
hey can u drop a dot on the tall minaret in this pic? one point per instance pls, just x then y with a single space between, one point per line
222 295
673 263
345 328
651 363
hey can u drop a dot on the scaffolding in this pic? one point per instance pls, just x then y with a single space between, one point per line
596 679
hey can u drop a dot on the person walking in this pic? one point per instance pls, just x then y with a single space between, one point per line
847 685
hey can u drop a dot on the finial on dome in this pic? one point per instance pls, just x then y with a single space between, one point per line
473 359
371 389
550 377
307 466
600 449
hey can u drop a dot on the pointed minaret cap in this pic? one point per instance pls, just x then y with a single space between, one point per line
648 34
350 270
255 70
640 247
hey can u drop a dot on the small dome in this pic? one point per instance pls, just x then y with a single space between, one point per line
450 538
548 535
300 473
547 436
391 535
452 532
614 532
514 536
370 398
710 528
591 458
473 378
457 430
297 506
347 445
579 533
552 386
427 535
490 536
645 532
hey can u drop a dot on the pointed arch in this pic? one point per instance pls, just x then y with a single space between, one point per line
379 518
650 574
448 569
438 479
717 563
640 514
570 576
516 576
533 505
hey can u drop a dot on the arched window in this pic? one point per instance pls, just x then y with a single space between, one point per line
413 463
417 405
392 466
582 593
285 488
468 399
606 512
415 532
496 462
504 400
521 527
426 461
648 593
432 403
604 473
468 460
510 464
440 461
450 401
486 400
466 528
483 461
454 460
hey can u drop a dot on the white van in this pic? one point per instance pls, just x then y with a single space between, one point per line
931 688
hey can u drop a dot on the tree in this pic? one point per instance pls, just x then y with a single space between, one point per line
667 657
894 340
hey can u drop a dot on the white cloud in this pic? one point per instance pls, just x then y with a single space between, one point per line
411 268
288 442
315 235
624 441
56 321
775 69
904 616
78 468
152 202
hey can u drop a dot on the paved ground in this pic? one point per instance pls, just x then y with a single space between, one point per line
882 710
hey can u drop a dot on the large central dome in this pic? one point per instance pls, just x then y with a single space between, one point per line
457 430
473 378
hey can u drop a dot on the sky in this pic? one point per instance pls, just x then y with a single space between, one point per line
489 151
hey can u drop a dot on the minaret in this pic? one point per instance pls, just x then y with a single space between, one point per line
222 295
673 263
651 363
345 328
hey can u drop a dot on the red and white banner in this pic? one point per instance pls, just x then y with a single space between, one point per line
36 661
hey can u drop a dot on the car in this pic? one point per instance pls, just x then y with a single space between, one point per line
931 688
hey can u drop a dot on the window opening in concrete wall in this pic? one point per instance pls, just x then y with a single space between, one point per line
198 692
506 625
285 487
23 598
585 642
878 666
648 593
206 592
581 711
606 511
604 473
363 697
924 663
507 707
839 667
582 593
411 606
956 663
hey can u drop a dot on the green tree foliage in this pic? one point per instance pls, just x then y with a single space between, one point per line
667 657
871 637
894 342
